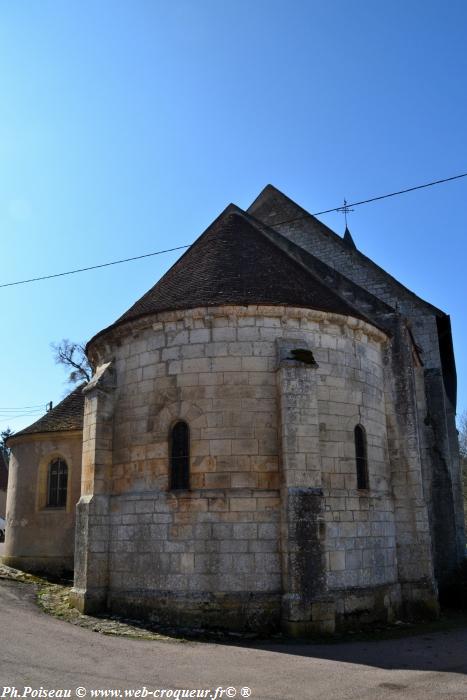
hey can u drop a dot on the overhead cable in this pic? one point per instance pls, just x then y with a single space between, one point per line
182 247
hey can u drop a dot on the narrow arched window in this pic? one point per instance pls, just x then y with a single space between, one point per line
180 456
57 484
361 457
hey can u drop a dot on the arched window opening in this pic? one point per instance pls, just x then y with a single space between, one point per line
57 484
180 456
361 457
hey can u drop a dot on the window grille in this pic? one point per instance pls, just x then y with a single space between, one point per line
57 484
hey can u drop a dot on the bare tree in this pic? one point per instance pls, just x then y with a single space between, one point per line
462 430
72 356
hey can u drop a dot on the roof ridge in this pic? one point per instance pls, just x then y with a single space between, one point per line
229 209
271 235
233 262
297 253
272 189
340 240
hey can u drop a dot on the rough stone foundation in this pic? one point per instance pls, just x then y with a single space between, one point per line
242 612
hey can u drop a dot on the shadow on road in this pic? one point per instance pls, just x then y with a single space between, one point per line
439 651
430 648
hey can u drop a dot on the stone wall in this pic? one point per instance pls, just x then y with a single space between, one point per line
213 553
426 325
331 249
360 526
39 538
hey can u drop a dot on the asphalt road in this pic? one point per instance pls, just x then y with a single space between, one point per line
40 651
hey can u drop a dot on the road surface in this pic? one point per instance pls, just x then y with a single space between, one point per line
40 651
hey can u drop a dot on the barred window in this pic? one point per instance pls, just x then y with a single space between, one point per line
180 456
57 484
361 457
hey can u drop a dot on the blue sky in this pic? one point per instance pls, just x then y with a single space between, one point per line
126 127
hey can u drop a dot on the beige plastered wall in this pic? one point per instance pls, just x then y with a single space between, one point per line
40 538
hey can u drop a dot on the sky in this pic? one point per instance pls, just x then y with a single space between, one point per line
127 127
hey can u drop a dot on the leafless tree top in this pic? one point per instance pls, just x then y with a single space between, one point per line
73 357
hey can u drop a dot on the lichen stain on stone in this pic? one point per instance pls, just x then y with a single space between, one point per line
308 558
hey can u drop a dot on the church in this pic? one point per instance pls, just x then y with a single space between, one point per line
268 442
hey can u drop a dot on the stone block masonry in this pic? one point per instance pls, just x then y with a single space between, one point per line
432 333
256 465
273 528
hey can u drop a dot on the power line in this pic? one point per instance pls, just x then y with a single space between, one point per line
182 247
14 413
9 414
375 199
92 267
12 419
394 194
20 408
7 419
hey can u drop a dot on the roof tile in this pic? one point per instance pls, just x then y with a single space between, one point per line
234 262
67 415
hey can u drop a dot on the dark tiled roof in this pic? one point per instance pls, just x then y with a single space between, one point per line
361 301
234 262
3 473
67 415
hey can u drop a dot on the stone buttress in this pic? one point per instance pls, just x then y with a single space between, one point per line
93 509
305 607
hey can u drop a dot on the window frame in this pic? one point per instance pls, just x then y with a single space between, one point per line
60 492
361 458
179 464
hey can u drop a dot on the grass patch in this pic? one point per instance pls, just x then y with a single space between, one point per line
53 598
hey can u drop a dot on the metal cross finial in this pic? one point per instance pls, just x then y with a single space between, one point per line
345 210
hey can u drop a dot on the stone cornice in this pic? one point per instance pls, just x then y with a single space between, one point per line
102 344
40 437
